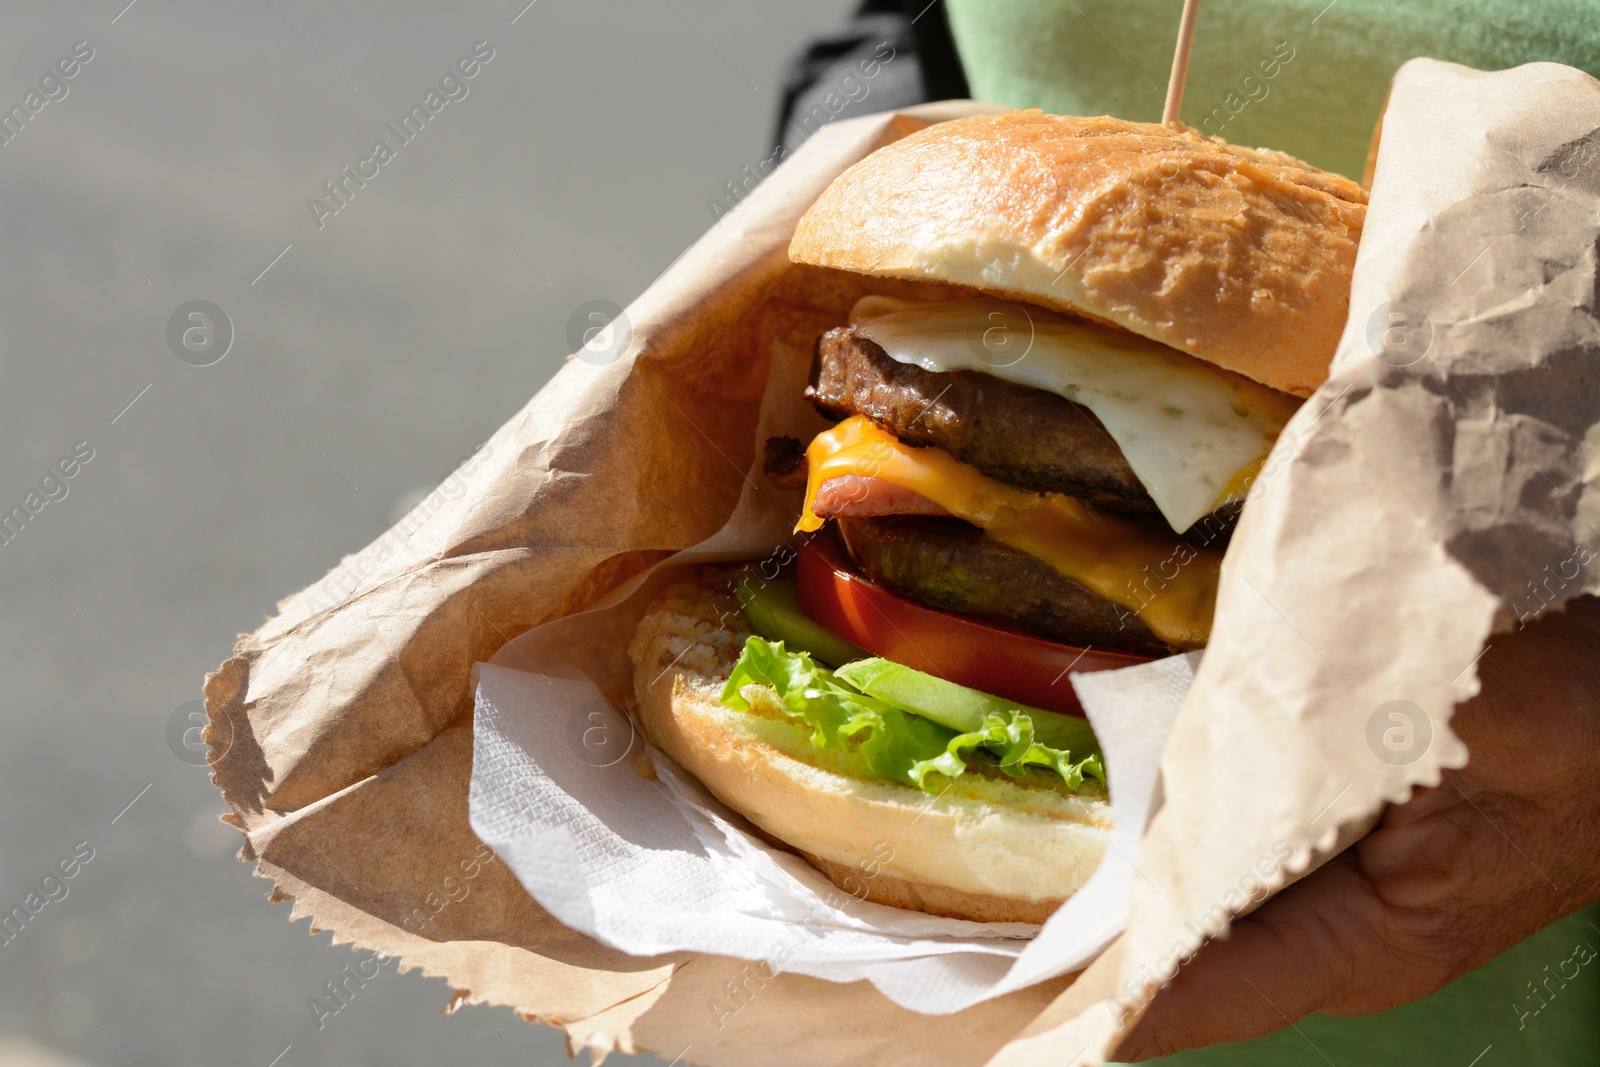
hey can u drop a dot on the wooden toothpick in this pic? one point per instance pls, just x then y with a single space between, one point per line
1180 63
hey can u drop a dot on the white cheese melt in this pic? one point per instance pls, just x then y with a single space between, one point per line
1186 429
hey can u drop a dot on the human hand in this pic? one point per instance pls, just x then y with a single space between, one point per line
1501 848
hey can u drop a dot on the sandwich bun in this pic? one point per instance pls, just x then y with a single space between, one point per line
987 849
1241 257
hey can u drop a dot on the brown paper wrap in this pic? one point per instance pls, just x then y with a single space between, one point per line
341 730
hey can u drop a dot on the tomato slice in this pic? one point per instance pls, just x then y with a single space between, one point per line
970 652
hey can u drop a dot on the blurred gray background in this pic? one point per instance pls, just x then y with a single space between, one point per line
368 358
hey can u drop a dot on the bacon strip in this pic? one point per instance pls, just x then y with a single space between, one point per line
863 496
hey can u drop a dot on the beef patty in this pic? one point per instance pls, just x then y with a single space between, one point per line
952 565
1025 437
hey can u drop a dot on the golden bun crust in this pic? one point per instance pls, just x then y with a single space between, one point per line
987 849
1239 256
882 888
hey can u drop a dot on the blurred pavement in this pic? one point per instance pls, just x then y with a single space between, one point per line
369 356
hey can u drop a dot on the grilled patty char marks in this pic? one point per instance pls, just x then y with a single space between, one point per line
1025 437
952 565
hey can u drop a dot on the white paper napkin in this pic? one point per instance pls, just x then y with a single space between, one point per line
650 867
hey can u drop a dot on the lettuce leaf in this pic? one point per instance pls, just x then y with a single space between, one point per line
1019 736
1009 737
889 740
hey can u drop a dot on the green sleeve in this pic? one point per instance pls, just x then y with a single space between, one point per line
1303 76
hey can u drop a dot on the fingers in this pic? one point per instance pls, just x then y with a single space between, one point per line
1303 951
1536 721
1533 734
1459 872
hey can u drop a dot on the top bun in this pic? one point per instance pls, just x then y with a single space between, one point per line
1239 256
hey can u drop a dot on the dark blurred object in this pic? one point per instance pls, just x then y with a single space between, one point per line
786 462
887 55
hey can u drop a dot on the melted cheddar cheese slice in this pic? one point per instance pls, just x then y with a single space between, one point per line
1170 585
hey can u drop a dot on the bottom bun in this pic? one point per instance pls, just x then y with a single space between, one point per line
987 847
882 888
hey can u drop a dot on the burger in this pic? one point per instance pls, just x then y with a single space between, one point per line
1033 476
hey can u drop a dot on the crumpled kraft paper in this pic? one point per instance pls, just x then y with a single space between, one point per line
1411 508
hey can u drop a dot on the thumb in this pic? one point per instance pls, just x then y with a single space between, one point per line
1295 955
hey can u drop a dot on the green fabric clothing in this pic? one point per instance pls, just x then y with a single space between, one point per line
1309 77
1112 57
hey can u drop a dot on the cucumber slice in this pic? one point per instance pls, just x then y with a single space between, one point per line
960 708
773 609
